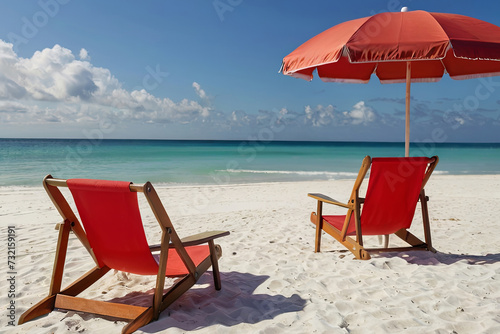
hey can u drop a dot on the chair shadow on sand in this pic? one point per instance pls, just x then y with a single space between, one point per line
432 259
235 303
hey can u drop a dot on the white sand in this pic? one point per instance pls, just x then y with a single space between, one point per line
272 281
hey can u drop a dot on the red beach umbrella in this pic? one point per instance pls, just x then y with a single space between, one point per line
406 46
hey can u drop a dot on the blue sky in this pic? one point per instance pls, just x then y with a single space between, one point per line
209 70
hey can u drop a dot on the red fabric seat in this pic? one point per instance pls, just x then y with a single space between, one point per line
391 198
110 215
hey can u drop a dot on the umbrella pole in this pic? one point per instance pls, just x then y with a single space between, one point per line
407 126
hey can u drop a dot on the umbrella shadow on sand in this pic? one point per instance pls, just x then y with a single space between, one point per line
432 259
235 303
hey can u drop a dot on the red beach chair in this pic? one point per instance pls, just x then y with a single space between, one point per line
394 188
115 238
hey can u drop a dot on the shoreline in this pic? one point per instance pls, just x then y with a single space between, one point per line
435 175
272 281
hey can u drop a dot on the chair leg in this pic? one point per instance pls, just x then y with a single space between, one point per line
160 278
425 219
317 243
215 253
46 305
362 254
357 219
358 250
142 320
319 229
319 226
410 238
62 246
43 307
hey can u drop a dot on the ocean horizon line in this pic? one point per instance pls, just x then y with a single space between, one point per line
255 140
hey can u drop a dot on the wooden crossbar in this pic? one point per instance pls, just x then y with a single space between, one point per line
115 310
62 183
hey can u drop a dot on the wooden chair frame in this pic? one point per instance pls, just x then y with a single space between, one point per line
353 206
137 315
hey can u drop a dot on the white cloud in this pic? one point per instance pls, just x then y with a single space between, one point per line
13 107
240 118
84 55
54 78
201 93
320 116
360 114
206 100
10 90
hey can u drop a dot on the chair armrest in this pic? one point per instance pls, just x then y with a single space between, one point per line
193 240
202 238
326 199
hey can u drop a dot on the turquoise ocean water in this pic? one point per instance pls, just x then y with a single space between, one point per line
24 162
